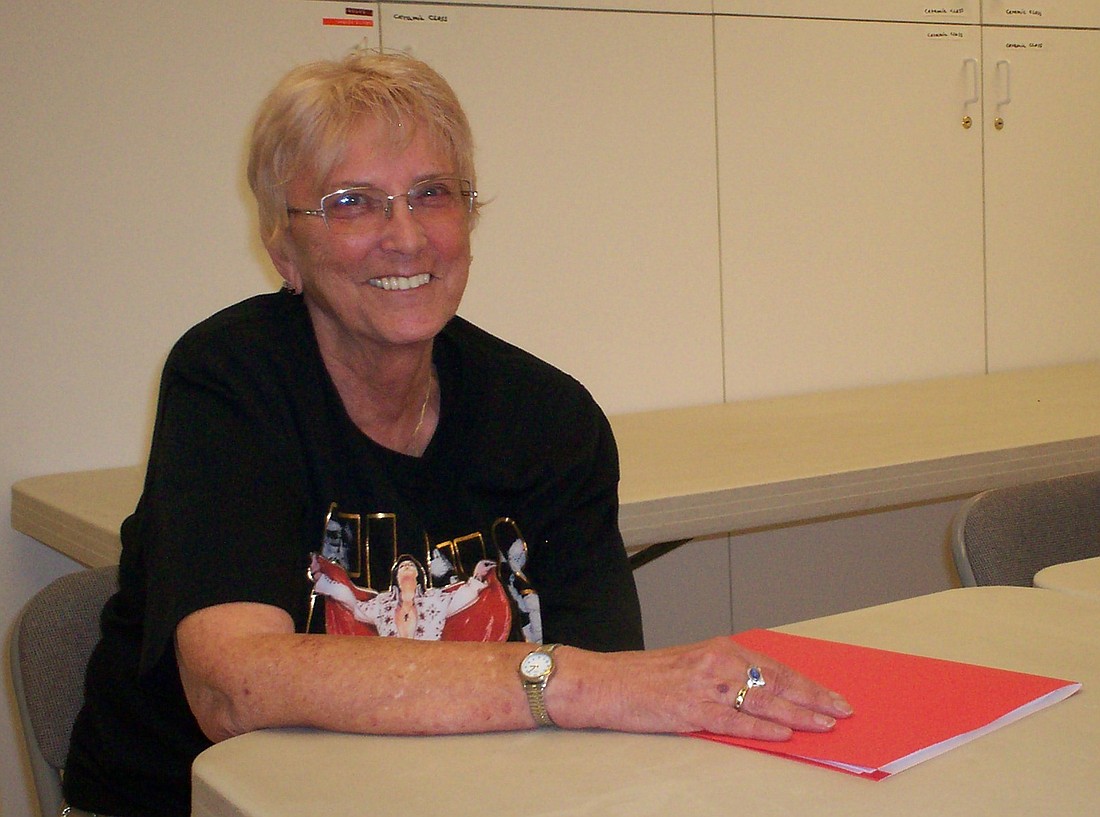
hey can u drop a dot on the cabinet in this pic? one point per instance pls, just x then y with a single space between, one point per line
867 234
1042 182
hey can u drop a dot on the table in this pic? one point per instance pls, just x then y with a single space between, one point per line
1043 764
710 470
1079 578
705 470
78 513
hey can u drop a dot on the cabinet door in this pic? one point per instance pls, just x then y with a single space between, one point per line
851 212
598 244
1042 195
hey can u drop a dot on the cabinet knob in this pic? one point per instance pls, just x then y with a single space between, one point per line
999 123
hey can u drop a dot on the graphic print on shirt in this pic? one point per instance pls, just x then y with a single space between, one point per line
470 591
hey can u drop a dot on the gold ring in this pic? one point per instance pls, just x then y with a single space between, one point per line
753 678
739 701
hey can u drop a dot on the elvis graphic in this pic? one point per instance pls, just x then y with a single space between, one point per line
468 592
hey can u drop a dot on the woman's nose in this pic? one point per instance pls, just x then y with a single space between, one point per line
402 231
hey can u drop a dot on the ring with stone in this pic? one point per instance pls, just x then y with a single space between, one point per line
754 678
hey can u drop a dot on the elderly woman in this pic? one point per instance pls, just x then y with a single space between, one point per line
357 390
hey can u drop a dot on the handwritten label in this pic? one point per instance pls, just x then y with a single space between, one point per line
421 18
943 10
1024 12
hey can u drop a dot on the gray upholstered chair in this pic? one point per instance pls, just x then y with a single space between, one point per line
1007 535
51 643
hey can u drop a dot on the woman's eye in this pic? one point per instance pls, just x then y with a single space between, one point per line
353 202
432 193
356 199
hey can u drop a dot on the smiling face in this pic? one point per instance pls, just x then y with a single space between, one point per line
396 283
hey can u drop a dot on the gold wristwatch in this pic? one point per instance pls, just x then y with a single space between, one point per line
535 670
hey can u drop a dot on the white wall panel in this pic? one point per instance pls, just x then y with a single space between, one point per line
598 248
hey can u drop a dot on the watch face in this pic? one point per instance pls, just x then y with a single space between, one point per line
536 665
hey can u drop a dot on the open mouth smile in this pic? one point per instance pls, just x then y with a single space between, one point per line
400 282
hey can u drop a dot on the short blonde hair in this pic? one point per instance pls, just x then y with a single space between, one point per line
303 125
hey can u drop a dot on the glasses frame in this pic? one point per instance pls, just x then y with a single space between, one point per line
466 190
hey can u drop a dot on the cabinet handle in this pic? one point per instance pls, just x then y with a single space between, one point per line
975 88
1004 81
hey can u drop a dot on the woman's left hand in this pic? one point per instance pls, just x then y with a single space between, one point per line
690 688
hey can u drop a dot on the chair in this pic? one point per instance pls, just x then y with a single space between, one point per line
1007 535
51 643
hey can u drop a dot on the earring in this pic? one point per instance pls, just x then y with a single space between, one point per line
289 287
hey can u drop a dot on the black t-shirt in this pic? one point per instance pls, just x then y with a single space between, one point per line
255 463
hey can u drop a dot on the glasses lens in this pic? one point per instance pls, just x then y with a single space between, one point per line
436 195
354 203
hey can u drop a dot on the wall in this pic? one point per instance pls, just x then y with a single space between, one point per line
124 220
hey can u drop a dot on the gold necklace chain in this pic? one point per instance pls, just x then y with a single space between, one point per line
423 412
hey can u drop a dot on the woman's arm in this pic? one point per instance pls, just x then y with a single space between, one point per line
244 668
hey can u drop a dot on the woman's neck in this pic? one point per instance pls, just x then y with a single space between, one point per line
393 397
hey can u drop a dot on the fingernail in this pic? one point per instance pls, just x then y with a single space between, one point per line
824 720
841 704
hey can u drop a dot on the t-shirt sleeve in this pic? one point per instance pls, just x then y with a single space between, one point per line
579 564
221 509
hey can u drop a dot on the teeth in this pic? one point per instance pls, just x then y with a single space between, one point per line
395 282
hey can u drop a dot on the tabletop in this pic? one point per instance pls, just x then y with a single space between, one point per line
1079 578
1043 764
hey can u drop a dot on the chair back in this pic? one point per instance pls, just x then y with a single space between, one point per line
51 643
1007 535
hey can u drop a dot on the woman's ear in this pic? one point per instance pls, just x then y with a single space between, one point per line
282 252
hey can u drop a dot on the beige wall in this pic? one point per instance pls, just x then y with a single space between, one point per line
101 266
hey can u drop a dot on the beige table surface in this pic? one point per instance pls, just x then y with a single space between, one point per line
1080 578
1045 764
709 470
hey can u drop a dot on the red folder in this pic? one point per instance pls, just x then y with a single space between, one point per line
908 708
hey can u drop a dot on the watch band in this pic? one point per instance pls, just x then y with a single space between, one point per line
535 690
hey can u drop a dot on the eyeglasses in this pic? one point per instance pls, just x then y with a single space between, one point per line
356 208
